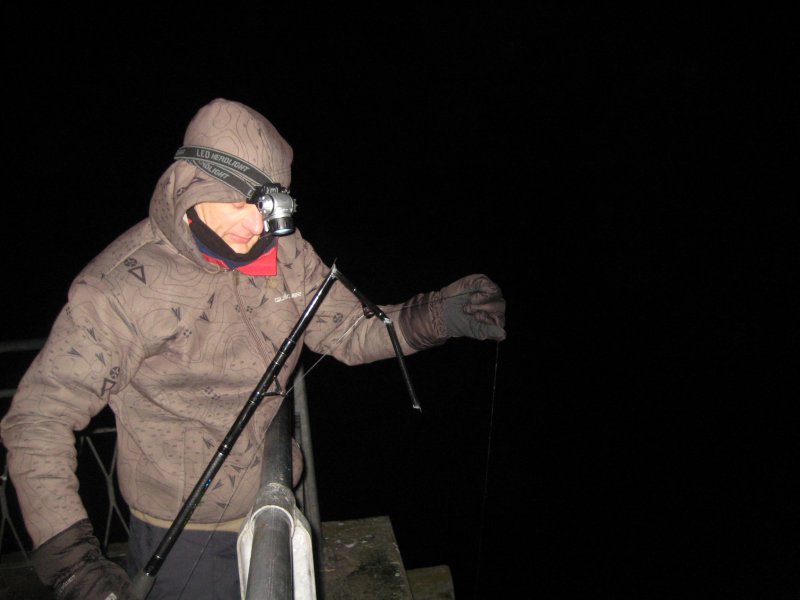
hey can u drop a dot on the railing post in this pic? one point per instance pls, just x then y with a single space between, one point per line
270 571
308 497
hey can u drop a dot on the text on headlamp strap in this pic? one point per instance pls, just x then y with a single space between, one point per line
227 168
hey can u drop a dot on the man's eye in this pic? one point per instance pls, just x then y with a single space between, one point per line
239 204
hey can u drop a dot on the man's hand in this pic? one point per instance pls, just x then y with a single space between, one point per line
472 306
72 563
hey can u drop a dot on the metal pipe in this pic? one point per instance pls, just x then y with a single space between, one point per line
309 486
270 574
22 345
272 544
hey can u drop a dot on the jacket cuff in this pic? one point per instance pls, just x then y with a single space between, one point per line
421 321
66 552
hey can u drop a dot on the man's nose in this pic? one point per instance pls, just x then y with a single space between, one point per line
254 222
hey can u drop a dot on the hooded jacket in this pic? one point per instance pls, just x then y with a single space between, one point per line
175 346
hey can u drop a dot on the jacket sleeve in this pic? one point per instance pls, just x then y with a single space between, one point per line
472 306
85 359
342 329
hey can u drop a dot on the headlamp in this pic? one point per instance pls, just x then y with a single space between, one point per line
272 200
276 207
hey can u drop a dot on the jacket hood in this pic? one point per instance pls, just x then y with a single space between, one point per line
230 127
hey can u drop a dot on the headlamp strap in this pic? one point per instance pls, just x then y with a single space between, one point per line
231 170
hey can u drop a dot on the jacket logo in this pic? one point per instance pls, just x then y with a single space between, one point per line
108 384
138 272
287 296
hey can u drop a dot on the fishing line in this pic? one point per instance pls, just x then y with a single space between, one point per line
486 471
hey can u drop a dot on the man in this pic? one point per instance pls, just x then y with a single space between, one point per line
172 326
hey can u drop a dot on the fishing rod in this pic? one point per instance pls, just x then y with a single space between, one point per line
143 581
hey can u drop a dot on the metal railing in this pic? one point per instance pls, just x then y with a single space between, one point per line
84 439
6 520
275 550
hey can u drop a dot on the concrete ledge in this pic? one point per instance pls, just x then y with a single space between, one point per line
361 561
431 583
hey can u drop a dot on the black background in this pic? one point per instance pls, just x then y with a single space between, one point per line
624 175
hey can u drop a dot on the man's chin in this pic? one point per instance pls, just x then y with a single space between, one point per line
240 248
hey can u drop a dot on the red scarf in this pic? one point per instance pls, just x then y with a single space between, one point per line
266 264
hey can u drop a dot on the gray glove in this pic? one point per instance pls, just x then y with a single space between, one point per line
472 306
72 563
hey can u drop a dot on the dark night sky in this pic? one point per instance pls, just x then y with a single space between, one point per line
621 175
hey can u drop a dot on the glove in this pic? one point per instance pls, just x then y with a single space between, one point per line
72 563
472 306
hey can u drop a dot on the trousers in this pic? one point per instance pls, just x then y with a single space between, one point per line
202 565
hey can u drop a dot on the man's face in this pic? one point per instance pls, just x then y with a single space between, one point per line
238 223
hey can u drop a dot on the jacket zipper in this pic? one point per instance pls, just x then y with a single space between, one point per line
243 311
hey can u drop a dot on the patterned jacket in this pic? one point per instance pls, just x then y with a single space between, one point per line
175 346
